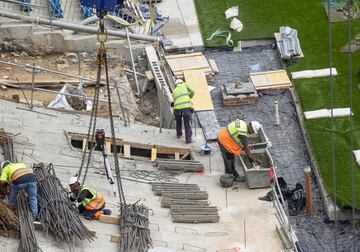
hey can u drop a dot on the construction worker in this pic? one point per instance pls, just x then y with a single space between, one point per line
233 139
183 108
20 178
92 203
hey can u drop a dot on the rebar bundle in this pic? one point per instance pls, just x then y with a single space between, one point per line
9 223
28 241
134 228
56 212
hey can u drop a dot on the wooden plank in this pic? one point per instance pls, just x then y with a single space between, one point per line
149 75
175 56
213 66
202 99
188 62
270 79
108 148
127 152
177 156
160 148
153 154
109 219
84 145
115 238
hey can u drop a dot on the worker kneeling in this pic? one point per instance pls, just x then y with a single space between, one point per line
20 178
92 203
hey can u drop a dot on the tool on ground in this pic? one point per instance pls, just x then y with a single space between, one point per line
205 149
100 142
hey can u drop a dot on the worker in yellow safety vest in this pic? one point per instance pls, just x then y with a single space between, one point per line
183 108
92 203
20 178
233 139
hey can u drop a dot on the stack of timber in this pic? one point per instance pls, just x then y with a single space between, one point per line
276 80
187 203
178 165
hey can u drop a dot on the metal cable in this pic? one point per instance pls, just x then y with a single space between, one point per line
332 124
351 131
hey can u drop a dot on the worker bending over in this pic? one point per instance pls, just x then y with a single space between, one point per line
92 203
20 178
183 108
233 139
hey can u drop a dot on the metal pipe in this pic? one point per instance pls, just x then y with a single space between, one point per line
48 70
32 87
75 27
277 117
307 171
132 60
50 91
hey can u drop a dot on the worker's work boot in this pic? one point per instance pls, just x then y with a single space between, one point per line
227 180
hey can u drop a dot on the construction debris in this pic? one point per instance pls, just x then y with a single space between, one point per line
179 165
56 213
187 203
9 223
288 43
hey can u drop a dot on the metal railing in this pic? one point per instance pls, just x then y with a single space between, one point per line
70 9
283 216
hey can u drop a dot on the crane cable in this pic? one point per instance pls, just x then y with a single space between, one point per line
102 37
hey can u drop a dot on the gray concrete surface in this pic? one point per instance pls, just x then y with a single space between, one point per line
183 26
288 150
47 143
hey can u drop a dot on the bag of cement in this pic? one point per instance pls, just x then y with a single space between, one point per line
232 12
236 25
64 101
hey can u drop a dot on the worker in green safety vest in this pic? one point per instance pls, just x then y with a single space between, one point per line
183 108
92 203
20 178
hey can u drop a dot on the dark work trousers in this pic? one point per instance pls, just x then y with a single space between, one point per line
186 115
229 160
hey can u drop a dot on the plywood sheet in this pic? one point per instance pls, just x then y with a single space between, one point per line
270 79
183 62
197 80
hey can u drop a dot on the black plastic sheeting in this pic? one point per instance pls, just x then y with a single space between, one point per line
315 232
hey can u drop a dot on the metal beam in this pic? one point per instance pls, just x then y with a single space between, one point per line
75 27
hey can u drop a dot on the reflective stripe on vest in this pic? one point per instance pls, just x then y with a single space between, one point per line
95 203
181 97
18 170
236 128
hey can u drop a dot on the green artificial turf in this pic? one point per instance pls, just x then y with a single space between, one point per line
261 19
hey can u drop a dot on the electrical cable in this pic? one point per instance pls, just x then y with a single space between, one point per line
351 130
332 126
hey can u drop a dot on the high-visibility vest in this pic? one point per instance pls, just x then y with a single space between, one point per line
229 136
14 171
95 203
182 96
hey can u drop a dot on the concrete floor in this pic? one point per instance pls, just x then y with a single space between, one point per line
183 26
47 143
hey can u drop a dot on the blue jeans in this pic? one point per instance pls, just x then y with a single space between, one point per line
31 191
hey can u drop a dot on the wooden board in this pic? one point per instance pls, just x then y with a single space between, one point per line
127 151
270 79
109 219
153 154
213 66
197 80
182 62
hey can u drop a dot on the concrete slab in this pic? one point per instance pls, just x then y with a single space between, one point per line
183 26
237 206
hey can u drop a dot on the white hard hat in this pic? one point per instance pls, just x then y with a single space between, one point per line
256 126
73 180
178 81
